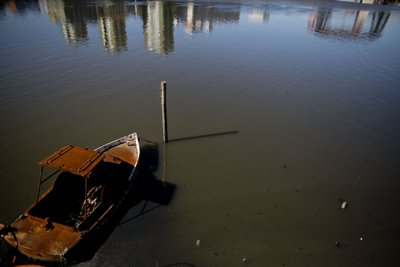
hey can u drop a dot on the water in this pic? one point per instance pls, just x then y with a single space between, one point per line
312 91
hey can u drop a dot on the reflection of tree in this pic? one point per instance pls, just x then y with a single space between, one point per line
111 19
159 27
337 25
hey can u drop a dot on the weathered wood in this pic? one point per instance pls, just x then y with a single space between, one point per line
164 110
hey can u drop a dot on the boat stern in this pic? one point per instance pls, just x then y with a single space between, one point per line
41 239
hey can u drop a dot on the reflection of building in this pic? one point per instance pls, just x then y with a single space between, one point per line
348 24
73 14
197 21
71 17
54 9
111 19
159 20
75 29
201 18
43 6
375 2
379 20
158 27
258 16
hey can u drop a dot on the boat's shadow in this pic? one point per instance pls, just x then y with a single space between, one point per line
147 188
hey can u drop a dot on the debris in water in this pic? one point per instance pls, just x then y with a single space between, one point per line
198 242
338 244
344 205
244 260
361 239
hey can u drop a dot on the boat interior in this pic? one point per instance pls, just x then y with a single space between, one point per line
66 203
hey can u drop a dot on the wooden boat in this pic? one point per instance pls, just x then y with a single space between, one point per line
91 185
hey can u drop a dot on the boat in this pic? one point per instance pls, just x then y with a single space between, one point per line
89 188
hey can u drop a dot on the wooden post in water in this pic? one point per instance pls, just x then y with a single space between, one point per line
164 110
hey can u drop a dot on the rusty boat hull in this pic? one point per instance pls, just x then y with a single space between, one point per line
88 191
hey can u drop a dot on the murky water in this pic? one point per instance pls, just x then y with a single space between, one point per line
312 92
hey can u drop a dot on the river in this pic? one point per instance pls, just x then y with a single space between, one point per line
278 112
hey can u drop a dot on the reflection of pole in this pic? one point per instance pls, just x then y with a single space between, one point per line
164 162
164 110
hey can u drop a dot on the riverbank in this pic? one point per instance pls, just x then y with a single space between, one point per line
319 3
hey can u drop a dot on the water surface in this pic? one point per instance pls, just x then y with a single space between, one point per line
312 90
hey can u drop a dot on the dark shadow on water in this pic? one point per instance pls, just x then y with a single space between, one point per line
146 189
151 188
154 191
179 264
202 136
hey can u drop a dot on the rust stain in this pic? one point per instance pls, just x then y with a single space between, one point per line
125 152
75 160
35 240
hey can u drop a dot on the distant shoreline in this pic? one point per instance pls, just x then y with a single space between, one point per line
321 3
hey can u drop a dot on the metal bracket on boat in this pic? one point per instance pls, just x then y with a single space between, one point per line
59 154
49 226
131 143
88 162
41 181
7 229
